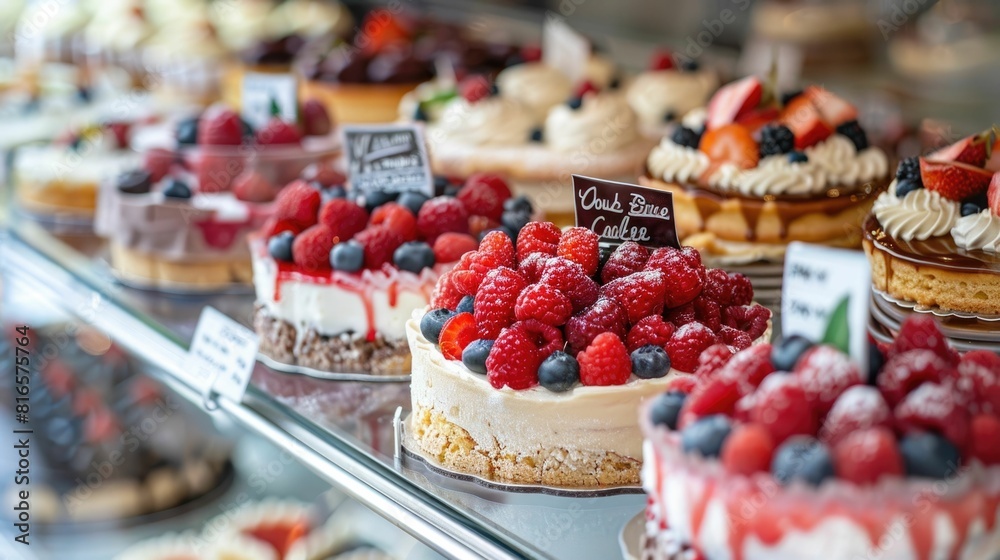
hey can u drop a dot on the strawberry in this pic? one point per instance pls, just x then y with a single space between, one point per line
474 88
732 100
298 203
278 132
954 180
311 248
662 60
806 122
316 120
973 150
585 88
993 194
252 186
457 333
730 143
832 109
220 126
755 119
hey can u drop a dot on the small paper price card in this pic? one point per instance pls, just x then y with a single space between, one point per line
565 49
267 95
620 212
222 355
391 158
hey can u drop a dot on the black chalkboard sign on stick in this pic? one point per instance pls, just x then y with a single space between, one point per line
388 158
620 212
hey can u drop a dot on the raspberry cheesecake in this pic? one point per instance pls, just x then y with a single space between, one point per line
934 238
755 171
544 334
336 280
794 451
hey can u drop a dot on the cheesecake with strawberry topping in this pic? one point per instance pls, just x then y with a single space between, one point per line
934 238
756 170
541 334
795 451
337 277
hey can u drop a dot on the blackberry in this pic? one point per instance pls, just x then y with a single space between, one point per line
909 168
686 137
855 133
776 139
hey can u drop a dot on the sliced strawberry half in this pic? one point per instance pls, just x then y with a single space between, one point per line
457 332
832 109
733 100
974 150
954 180
993 194
756 118
805 121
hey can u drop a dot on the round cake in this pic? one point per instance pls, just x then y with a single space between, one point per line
514 340
667 91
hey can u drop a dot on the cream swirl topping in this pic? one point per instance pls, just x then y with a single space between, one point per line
978 231
604 122
919 215
494 121
653 95
844 165
674 163
773 175
535 84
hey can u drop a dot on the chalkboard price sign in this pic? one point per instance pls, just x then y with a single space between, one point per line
387 158
620 212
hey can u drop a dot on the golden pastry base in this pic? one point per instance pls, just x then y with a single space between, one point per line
152 271
57 197
358 103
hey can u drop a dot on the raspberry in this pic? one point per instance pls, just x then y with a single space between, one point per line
472 269
445 293
718 287
749 367
546 338
712 360
751 319
681 315
570 279
440 215
605 315
920 332
712 395
479 224
979 376
500 247
708 312
278 132
220 126
579 245
687 343
531 267
735 338
683 282
934 407
158 161
396 217
683 384
865 456
605 361
858 408
311 248
484 195
640 293
904 372
457 332
629 257
544 303
449 247
379 243
343 217
216 172
748 450
649 330
274 226
825 374
495 301
780 406
513 361
473 88
297 203
692 258
537 237
741 289
985 433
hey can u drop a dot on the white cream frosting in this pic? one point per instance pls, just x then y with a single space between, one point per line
978 231
311 18
695 118
493 121
653 94
242 23
919 215
118 26
844 164
676 163
535 84
95 160
604 122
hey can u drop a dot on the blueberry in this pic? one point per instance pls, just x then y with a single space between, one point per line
970 208
137 181
441 183
330 193
466 305
536 134
413 256
684 136
575 103
518 204
787 351
802 458
475 354
909 168
503 229
348 256
514 221
650 362
706 435
412 201
875 362
666 409
559 372
906 186
280 246
83 93
452 190
690 65
797 157
248 131
853 131
669 116
177 189
419 114
187 131
375 199
929 455
494 89
431 323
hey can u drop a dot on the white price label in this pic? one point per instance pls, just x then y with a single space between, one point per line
260 94
825 296
222 355
565 49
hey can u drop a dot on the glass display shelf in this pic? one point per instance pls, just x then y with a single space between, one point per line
341 430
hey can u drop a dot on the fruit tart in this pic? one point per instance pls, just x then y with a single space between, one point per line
933 238
337 278
754 171
541 334
795 451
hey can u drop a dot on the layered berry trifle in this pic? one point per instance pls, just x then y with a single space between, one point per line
544 335
795 451
668 90
336 279
182 219
756 170
933 238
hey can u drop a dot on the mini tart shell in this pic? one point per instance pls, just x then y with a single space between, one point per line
144 268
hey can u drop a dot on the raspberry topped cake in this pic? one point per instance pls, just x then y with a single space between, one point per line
794 451
756 170
336 279
934 238
541 333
